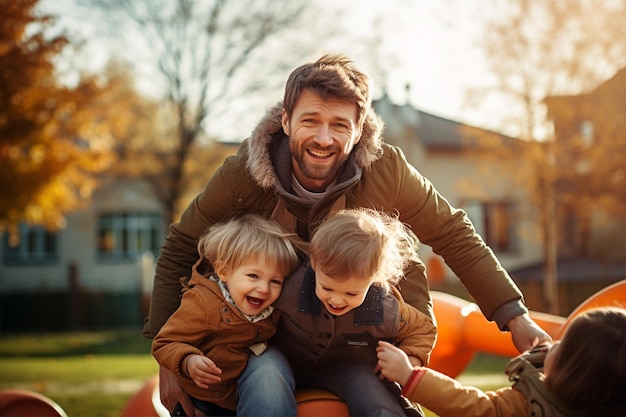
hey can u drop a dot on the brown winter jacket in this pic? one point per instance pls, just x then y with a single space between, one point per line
206 324
376 175
311 337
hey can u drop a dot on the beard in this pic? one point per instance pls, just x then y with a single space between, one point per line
324 170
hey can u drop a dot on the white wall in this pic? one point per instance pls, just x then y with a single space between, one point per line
78 243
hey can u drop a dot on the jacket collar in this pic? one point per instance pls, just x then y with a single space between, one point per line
368 313
269 134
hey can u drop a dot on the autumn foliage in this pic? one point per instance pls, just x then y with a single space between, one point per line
52 137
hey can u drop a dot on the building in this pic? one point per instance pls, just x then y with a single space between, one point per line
93 273
589 148
98 271
444 151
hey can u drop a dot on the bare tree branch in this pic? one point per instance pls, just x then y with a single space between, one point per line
200 54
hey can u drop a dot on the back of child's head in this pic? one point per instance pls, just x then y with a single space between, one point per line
363 243
247 237
589 370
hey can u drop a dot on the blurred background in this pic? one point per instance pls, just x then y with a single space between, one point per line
115 113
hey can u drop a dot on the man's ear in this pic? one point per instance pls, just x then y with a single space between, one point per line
285 122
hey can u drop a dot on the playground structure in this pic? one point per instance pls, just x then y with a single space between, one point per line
462 332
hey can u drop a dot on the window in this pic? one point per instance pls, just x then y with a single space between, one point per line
36 246
494 222
125 236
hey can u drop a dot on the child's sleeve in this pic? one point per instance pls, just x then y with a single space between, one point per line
416 333
183 332
447 397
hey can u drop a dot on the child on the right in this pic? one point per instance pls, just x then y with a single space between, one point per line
336 307
583 375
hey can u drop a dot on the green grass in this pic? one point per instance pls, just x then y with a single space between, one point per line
96 373
86 373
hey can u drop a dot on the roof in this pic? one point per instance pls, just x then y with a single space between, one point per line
617 81
434 132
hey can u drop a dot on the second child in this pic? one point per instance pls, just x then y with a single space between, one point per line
335 309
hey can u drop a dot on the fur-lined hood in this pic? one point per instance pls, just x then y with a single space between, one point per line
270 129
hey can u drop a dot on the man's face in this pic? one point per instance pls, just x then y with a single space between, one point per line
321 134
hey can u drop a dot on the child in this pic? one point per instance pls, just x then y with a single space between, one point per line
225 315
583 375
335 309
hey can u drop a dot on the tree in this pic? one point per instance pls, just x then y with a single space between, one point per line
539 49
142 141
204 57
141 138
52 139
590 133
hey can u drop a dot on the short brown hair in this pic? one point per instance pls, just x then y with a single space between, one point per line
331 76
589 371
364 243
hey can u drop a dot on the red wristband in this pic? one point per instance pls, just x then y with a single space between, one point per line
414 380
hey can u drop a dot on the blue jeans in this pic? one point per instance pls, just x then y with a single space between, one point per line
266 388
357 385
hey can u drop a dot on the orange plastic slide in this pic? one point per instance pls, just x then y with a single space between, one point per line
463 330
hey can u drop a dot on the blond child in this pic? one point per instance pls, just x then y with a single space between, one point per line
583 375
226 314
335 309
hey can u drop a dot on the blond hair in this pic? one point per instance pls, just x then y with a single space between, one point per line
246 237
364 243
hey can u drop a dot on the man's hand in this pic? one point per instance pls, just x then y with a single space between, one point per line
171 393
526 334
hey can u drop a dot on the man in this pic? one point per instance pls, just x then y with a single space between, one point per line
319 151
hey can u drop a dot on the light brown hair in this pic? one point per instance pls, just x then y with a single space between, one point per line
247 236
589 370
364 243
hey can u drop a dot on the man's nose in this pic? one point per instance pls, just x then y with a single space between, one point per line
323 137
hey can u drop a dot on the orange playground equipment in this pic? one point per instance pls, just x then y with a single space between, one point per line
21 402
463 332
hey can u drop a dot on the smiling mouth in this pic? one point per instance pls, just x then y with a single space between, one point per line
255 302
320 154
335 309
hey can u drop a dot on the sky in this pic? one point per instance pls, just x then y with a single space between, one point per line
428 45
434 46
